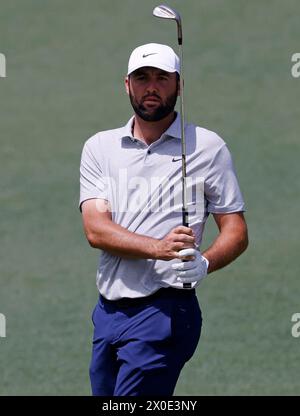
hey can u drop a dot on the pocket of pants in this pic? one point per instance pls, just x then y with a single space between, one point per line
186 325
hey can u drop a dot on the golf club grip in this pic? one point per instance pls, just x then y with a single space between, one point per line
185 222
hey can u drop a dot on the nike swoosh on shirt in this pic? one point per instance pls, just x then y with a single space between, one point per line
148 54
176 160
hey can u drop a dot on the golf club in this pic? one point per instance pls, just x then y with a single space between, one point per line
166 12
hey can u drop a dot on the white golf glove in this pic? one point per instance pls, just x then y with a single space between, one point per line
193 270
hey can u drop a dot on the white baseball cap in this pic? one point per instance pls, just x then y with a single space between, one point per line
155 55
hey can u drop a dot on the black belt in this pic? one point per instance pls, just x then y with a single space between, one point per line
131 302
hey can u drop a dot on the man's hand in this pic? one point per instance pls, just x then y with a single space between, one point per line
191 271
178 239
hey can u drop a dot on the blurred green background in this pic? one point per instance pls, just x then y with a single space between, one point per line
65 66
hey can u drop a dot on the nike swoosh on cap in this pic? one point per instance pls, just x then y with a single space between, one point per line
148 54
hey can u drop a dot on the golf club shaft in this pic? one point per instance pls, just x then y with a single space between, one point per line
185 220
166 12
185 216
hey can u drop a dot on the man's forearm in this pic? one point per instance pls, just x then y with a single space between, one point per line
226 248
101 232
121 242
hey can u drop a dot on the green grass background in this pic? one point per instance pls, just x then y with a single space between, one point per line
65 65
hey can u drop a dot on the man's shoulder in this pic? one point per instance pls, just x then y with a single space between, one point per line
205 137
104 137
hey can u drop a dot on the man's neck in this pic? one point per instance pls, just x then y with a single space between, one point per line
150 131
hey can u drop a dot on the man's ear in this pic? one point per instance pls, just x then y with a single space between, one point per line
178 83
127 84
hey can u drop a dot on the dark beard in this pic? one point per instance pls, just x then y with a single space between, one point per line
159 113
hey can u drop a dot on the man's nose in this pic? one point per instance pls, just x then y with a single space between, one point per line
152 86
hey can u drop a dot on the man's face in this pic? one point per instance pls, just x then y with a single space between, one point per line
153 92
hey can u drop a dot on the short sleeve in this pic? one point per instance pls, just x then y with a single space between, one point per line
92 181
222 191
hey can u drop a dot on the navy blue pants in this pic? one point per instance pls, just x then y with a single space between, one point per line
139 349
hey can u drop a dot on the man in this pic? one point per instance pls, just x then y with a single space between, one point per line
146 325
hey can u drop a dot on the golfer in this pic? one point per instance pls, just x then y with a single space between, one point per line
146 325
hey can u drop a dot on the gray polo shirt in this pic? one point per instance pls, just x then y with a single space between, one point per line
143 187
